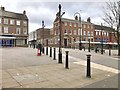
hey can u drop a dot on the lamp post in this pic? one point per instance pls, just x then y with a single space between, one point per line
101 41
43 34
80 43
89 41
60 50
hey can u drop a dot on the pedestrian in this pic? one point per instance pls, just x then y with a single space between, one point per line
84 48
96 49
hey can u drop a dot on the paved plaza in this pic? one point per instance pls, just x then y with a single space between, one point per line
22 68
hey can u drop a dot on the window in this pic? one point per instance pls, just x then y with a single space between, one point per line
104 33
65 23
18 22
55 32
70 40
96 33
88 33
74 32
65 31
84 32
79 31
107 33
99 33
74 40
70 24
88 26
91 33
25 23
18 31
74 24
24 31
20 42
5 29
5 21
0 20
70 32
12 21
84 26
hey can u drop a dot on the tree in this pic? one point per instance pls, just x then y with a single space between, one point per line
112 18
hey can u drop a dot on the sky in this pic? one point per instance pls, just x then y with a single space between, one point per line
38 10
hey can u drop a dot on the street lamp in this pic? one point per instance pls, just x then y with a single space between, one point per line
89 41
60 50
43 34
101 41
80 43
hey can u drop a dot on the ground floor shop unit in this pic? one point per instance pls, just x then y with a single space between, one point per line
12 41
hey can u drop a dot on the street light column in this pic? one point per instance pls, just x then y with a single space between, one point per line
80 43
60 51
101 41
43 34
89 42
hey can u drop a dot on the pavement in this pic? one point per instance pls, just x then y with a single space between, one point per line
22 68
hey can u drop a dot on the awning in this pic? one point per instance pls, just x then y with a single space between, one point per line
3 37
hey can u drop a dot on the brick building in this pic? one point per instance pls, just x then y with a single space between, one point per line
13 28
103 35
70 32
43 35
87 32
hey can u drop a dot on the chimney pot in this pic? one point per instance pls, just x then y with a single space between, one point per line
88 19
24 12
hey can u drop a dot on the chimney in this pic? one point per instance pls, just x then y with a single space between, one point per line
76 17
2 8
24 12
88 19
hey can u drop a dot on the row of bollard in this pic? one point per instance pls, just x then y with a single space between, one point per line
88 73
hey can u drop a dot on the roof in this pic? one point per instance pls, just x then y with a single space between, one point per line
73 20
99 27
14 15
42 29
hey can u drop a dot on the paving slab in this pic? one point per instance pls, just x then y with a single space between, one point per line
44 72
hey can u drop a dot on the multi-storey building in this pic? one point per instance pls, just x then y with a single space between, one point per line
87 32
43 35
32 39
71 31
103 35
13 28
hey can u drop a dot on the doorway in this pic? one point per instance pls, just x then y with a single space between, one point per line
65 43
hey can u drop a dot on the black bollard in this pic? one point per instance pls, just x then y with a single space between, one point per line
43 50
50 51
109 52
54 58
88 66
46 50
66 64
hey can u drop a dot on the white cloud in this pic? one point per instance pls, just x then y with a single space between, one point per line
39 10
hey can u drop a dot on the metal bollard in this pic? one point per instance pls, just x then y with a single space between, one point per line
50 51
66 64
88 66
54 58
109 52
43 50
46 50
